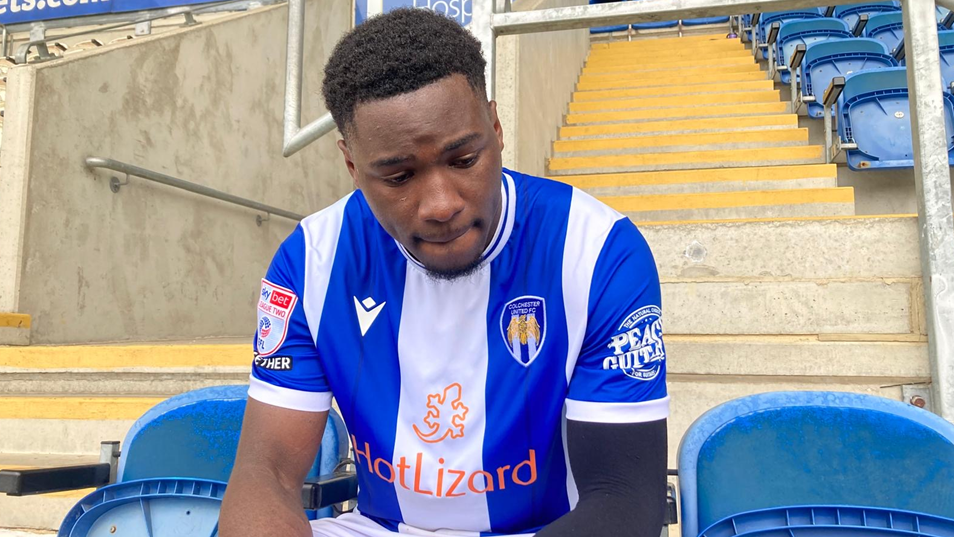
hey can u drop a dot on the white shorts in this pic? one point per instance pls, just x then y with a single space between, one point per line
355 525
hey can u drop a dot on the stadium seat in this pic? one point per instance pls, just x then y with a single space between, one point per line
942 15
174 465
838 57
744 460
607 29
850 13
766 20
874 114
805 32
704 21
945 42
887 28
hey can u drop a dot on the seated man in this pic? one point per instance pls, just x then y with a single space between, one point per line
492 339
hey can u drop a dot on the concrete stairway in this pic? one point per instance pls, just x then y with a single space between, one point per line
58 403
690 128
769 280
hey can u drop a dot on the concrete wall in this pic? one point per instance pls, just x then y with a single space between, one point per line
536 75
151 262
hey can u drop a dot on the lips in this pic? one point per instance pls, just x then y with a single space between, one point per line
447 237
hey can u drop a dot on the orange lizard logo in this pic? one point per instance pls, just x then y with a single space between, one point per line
445 416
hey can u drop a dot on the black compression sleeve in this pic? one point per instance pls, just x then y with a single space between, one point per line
620 472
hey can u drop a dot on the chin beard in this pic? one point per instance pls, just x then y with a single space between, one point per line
455 273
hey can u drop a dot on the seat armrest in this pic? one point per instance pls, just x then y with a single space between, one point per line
834 91
322 491
860 25
44 480
672 513
797 57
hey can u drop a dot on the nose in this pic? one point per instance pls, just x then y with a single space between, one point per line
441 201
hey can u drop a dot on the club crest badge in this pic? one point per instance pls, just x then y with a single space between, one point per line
523 325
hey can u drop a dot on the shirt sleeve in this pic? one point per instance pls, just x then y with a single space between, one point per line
620 374
286 370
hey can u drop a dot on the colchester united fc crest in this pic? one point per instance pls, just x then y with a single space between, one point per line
523 325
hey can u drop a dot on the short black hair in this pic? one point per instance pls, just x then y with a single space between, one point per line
397 53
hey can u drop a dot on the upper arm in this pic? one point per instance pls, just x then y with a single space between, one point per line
281 440
620 373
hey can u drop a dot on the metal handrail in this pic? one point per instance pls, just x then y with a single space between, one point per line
129 169
24 50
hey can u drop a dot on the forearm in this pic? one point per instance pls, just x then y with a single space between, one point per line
256 504
606 515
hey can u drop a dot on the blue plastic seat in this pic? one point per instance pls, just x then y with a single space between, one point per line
839 57
875 114
766 20
831 521
174 465
942 13
607 29
704 21
887 28
945 41
852 12
790 449
805 32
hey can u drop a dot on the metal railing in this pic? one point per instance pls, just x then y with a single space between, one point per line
118 20
130 170
493 18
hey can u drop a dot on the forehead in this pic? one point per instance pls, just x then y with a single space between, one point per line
433 113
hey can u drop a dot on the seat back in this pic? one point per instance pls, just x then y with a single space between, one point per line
852 12
839 57
607 29
814 448
653 25
887 28
196 434
704 21
807 32
876 115
945 41
766 20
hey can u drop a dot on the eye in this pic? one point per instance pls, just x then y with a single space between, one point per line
467 161
397 180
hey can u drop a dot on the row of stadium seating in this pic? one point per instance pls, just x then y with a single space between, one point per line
833 61
653 25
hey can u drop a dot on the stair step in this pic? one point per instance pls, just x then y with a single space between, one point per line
730 158
804 249
67 425
649 64
666 73
701 55
676 140
749 204
694 89
158 370
685 112
741 97
625 82
699 181
683 126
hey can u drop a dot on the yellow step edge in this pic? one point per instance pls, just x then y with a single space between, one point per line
741 97
718 200
635 47
14 320
104 357
631 82
721 123
773 220
729 87
692 111
701 139
661 76
687 157
76 408
714 175
702 55
667 70
655 62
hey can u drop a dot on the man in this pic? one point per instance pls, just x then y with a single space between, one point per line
492 339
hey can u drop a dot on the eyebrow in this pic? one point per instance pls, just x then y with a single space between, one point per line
456 144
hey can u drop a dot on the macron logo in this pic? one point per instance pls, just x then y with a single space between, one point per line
367 312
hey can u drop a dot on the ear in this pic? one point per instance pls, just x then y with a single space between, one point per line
496 120
349 162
